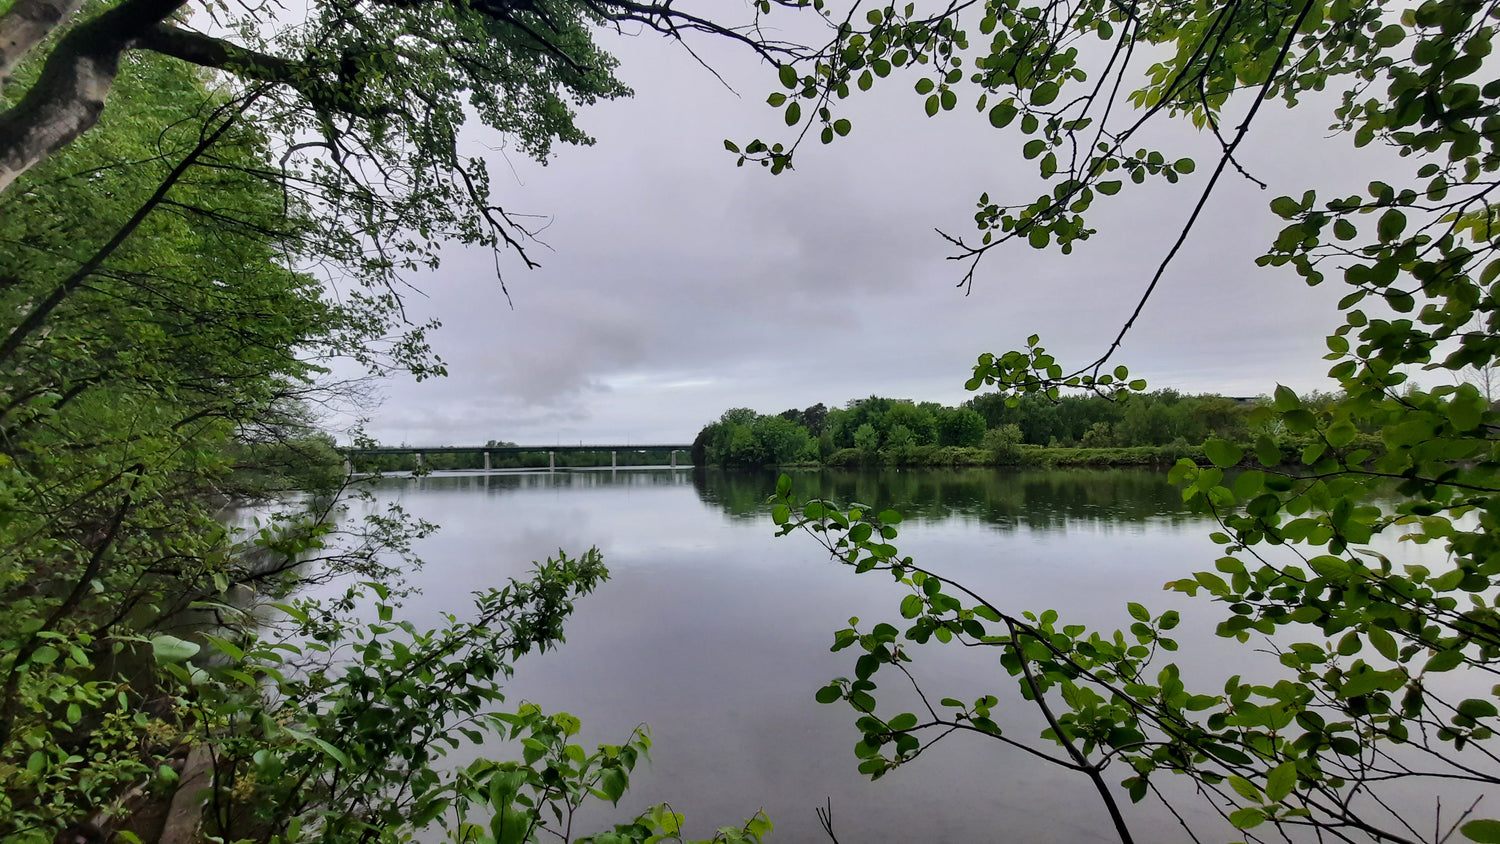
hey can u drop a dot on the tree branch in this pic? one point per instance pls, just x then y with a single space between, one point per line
304 77
37 317
69 95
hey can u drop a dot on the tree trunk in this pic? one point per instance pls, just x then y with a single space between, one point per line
68 97
24 27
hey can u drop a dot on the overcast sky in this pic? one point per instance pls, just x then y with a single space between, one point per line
674 285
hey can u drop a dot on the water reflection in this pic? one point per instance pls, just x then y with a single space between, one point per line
716 632
1035 499
1040 500
501 482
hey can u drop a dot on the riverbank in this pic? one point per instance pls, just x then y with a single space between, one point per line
1022 456
1294 451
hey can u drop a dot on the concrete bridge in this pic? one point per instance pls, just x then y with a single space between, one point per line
489 450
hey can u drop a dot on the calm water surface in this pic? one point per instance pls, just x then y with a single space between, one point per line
716 633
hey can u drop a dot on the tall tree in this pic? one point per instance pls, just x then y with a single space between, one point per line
159 344
366 102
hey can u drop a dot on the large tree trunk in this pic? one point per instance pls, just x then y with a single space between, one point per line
68 97
24 27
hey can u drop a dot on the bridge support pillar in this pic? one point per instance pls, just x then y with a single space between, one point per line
421 461
614 461
348 466
486 461
552 461
674 458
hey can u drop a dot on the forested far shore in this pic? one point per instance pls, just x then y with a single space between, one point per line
1140 429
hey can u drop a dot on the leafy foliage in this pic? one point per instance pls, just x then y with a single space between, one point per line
161 353
908 433
350 746
1384 656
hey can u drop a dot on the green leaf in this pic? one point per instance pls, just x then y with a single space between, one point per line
1384 642
612 781
1223 453
1285 399
911 606
1044 93
1445 660
904 721
1391 224
1138 612
1285 207
788 75
172 649
1244 788
1280 781
1247 818
1390 36
1212 582
1364 681
1484 831
1477 708
793 113
1349 644
328 749
1002 114
1249 484
1329 566
511 825
1224 753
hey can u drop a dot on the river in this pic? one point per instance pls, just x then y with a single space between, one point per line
716 633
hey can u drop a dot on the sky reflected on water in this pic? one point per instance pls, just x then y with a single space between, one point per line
717 633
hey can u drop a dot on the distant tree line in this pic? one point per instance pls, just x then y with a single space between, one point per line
1148 427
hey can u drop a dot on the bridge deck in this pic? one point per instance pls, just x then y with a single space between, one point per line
505 449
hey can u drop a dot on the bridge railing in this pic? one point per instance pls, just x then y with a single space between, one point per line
391 458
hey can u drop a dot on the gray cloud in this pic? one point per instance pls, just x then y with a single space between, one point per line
675 285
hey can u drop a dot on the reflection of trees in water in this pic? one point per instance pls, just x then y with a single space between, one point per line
1038 499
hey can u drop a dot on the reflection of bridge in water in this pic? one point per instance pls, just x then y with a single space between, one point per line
490 450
